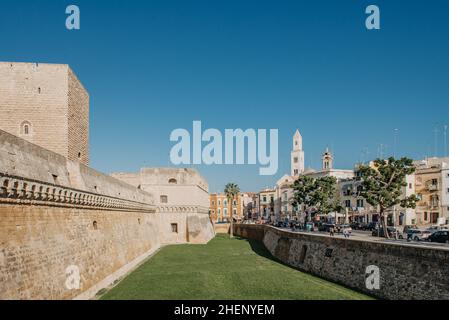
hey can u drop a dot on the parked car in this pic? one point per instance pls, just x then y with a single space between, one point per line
326 227
434 229
439 237
392 232
310 226
357 226
372 226
418 235
279 224
410 227
293 223
341 227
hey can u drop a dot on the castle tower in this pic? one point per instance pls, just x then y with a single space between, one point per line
297 155
47 105
328 160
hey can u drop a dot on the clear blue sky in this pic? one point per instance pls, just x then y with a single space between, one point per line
154 66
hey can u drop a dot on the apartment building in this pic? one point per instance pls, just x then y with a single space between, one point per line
432 188
221 209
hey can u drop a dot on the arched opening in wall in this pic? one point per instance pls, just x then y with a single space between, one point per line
95 225
174 227
164 199
138 220
173 181
79 155
302 257
5 187
25 128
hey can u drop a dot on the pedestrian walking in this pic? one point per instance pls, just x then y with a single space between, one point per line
292 226
331 231
409 236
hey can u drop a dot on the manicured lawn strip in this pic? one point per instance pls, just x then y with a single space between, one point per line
223 269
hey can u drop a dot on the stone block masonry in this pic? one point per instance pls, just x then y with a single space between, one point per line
46 104
407 272
38 244
56 213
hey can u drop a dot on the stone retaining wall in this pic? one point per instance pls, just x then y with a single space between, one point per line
406 271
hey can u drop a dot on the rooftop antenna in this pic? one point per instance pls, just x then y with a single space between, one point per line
381 151
395 142
445 140
364 155
333 152
435 151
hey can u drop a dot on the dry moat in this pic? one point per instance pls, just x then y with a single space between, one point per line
223 269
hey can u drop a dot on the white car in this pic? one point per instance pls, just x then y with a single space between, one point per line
418 235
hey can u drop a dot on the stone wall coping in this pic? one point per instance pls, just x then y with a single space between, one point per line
15 189
405 271
182 209
298 234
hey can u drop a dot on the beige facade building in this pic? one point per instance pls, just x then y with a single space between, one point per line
357 209
267 200
430 183
174 189
432 188
47 105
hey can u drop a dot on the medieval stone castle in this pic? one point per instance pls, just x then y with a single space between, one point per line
67 230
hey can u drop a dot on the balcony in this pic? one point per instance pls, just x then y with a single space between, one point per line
432 185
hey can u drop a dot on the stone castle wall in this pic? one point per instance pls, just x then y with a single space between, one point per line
19 158
51 100
179 187
56 213
78 120
38 244
406 271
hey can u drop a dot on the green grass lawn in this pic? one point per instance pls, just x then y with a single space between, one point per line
235 269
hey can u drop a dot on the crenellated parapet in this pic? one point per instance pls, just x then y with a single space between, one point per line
182 209
20 190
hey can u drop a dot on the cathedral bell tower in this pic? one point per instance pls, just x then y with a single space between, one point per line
328 160
297 155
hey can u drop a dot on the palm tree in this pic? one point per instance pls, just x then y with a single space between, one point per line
231 190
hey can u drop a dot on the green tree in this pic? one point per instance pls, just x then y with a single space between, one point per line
325 196
231 190
303 188
316 193
383 185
